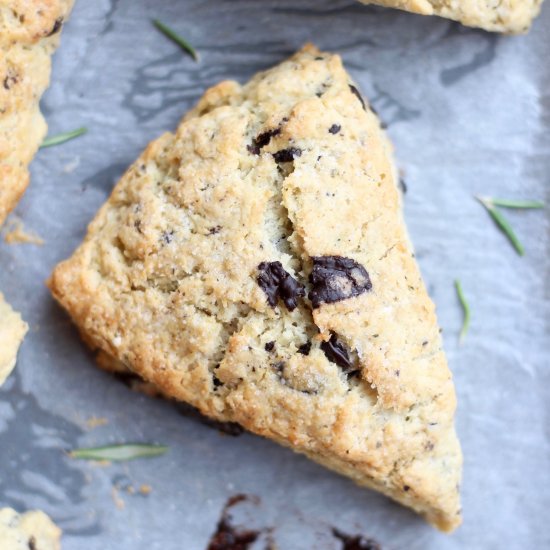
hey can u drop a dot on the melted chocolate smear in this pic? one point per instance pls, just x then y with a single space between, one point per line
277 283
227 536
304 349
337 353
335 278
355 542
287 155
356 93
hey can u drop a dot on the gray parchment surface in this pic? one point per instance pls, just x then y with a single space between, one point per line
468 112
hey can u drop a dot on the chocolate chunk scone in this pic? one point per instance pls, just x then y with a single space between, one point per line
507 16
255 264
29 34
30 531
12 332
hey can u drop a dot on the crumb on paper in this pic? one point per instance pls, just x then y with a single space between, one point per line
145 489
119 503
71 166
96 422
15 233
101 463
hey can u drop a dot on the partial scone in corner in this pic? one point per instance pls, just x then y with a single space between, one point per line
507 16
29 35
12 332
256 265
30 531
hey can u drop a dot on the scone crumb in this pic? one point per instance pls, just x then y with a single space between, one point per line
15 233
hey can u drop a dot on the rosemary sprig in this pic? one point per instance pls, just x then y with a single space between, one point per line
502 223
119 452
175 37
465 309
62 138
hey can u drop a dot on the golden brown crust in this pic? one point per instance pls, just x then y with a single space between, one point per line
507 16
29 34
12 332
285 169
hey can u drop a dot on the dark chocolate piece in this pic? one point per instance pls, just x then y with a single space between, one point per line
32 543
304 349
335 128
335 278
277 283
287 155
337 353
356 93
270 346
56 26
355 542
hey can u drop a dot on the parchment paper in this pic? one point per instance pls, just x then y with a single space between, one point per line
468 112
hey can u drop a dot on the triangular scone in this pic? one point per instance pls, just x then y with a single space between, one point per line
507 16
255 264
12 332
30 531
29 35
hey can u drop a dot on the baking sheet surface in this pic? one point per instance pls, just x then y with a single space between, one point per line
468 112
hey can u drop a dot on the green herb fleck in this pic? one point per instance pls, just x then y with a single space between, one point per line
507 203
465 309
502 223
174 36
62 138
119 452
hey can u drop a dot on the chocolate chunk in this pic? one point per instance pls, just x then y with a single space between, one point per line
270 346
335 128
304 349
10 80
355 542
56 26
214 230
277 283
262 140
287 155
406 488
32 543
335 278
356 93
337 353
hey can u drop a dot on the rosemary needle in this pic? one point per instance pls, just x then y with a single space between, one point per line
175 37
507 203
62 138
502 222
465 309
119 452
